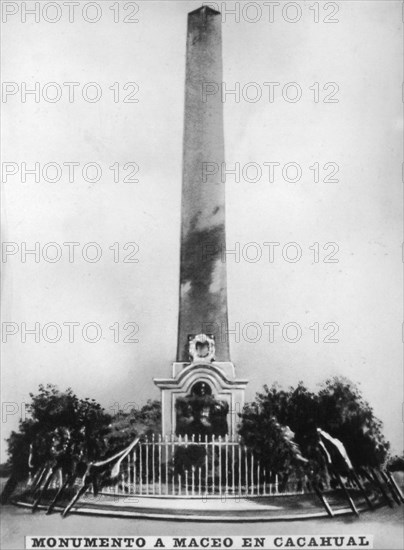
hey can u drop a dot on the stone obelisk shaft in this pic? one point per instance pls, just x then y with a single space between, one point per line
203 286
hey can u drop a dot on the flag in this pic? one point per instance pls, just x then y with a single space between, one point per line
329 443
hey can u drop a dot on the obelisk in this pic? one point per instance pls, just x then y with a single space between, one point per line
203 293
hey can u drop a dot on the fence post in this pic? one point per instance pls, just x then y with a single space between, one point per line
213 464
147 465
226 440
246 469
239 466
128 483
153 462
220 464
159 455
172 464
264 481
186 482
206 464
233 451
252 471
141 468
166 464
134 470
199 471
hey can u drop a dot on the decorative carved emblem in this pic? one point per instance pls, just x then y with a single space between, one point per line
202 348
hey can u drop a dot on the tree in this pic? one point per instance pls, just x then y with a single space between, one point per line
344 413
125 426
338 408
272 443
396 463
51 410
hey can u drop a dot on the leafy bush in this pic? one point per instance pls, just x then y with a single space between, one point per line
338 408
100 434
125 426
51 410
396 463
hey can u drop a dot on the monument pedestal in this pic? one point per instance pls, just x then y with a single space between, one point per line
219 377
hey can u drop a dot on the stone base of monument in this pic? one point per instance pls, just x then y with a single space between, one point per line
224 509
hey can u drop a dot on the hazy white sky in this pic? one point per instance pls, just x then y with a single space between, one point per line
361 213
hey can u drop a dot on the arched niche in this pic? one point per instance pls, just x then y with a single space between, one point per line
224 387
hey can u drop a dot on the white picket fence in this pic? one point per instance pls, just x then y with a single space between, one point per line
196 467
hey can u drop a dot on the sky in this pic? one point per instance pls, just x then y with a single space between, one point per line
356 220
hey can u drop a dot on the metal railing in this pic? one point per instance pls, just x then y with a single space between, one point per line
195 466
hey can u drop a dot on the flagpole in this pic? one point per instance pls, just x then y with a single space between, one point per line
362 489
394 483
323 500
380 485
346 493
387 481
